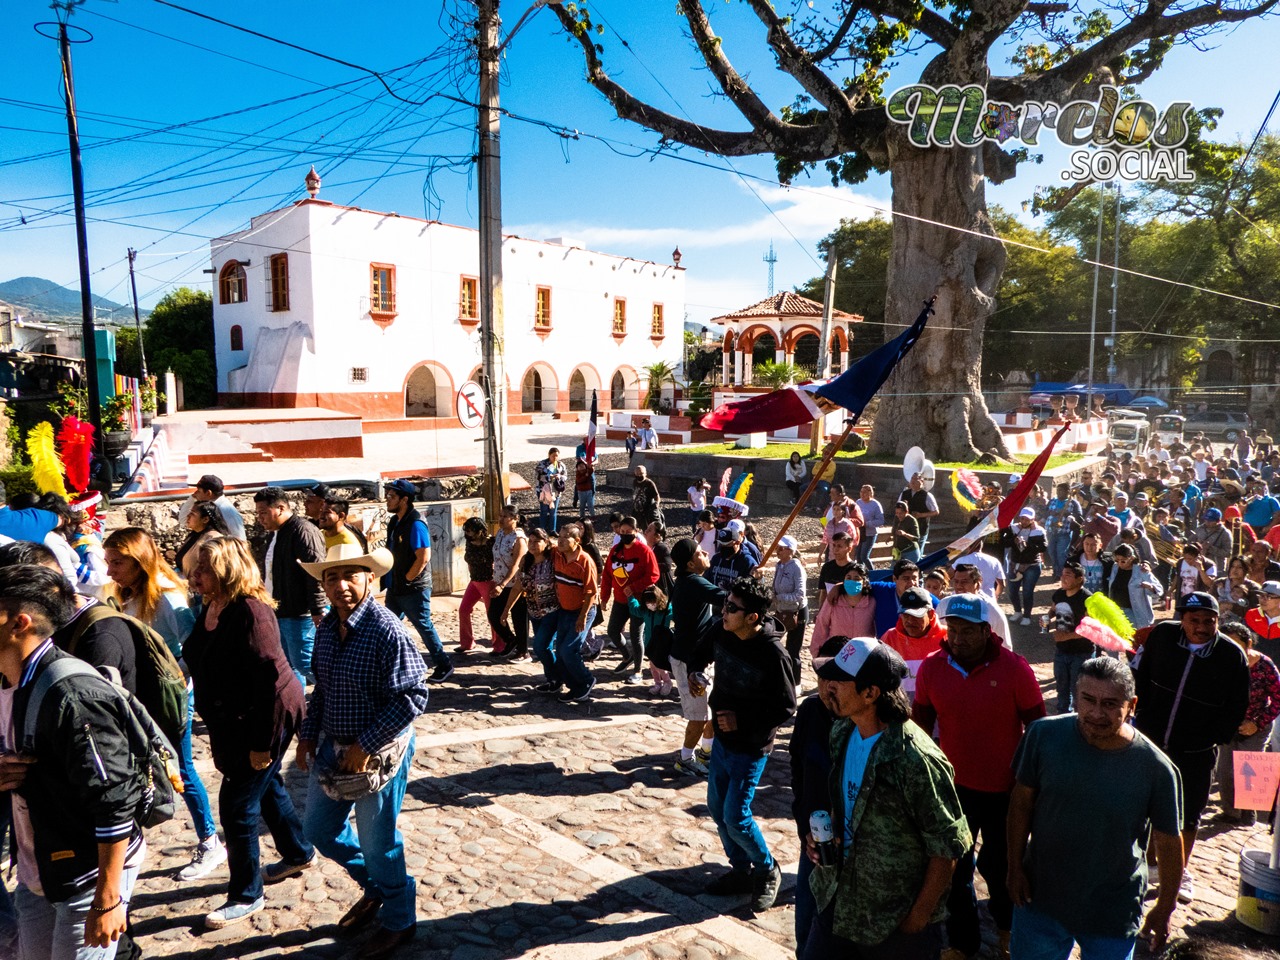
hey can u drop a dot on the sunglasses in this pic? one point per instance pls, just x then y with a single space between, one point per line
731 607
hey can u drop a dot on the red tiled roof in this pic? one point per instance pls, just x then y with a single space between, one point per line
781 305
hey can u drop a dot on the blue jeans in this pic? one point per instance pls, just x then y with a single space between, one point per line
586 504
1040 937
544 646
415 606
242 802
373 853
911 553
547 516
55 931
193 791
864 557
731 786
1059 546
806 906
298 636
1023 593
569 668
1066 670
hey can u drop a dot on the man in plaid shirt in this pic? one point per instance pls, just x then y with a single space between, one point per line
370 685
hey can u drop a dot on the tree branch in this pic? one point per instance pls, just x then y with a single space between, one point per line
804 143
797 63
1060 82
735 88
938 29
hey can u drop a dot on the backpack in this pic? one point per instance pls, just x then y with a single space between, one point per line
154 759
162 687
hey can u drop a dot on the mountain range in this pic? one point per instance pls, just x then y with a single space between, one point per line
38 299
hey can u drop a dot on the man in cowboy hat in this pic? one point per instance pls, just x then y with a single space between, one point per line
370 685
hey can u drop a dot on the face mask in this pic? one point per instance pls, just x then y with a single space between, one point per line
853 588
625 538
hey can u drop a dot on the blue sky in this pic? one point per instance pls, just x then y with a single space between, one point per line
166 192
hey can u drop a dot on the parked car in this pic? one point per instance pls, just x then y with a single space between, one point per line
1217 424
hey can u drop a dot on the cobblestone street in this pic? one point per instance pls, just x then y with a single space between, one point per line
543 830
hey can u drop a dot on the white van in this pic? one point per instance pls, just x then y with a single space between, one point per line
1130 436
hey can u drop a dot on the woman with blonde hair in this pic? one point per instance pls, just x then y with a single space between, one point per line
144 586
252 704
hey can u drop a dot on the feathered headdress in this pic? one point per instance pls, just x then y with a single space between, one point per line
967 489
724 481
1108 613
46 468
75 443
734 498
741 487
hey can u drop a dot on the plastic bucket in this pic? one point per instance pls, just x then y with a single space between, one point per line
1258 906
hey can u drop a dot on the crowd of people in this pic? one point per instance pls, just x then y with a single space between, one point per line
927 753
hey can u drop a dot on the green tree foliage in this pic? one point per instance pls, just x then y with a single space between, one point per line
178 336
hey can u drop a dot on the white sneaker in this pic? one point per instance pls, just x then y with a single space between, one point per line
1187 891
635 679
1025 621
210 854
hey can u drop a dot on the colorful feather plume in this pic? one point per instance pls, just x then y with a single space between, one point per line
75 444
967 489
741 487
724 481
46 468
1108 613
1103 636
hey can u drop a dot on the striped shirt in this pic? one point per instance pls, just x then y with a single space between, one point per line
369 686
576 582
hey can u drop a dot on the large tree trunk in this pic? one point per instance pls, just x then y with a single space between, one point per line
934 398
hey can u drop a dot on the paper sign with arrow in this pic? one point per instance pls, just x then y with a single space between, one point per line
1257 779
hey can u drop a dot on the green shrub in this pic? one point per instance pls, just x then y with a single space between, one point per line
18 479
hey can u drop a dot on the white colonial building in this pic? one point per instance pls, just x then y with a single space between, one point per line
377 314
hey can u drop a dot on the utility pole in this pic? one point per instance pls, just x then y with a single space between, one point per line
82 237
492 326
824 341
1093 322
137 320
1115 291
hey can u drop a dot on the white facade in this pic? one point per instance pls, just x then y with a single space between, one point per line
333 347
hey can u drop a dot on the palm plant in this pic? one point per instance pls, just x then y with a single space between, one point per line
656 376
774 375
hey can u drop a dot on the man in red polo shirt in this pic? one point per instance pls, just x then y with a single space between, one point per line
982 696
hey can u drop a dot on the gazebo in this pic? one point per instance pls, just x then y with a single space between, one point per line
793 324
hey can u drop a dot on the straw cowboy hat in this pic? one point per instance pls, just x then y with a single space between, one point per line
378 562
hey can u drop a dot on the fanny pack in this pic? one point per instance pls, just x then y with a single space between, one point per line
339 784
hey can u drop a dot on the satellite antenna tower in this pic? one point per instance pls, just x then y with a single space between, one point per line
771 258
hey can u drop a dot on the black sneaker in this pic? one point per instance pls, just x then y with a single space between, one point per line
728 884
765 885
623 667
548 687
570 696
441 673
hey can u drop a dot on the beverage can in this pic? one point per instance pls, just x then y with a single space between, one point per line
820 826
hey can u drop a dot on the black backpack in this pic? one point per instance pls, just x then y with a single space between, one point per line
154 759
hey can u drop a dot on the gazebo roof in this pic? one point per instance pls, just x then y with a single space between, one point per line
785 306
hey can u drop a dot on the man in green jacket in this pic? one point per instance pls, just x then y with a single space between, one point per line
897 823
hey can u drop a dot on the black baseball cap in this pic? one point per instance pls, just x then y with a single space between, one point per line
1198 601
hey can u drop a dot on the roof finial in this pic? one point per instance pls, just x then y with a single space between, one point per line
675 256
313 182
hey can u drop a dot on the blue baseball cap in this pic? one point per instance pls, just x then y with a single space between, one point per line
1213 513
403 487
966 606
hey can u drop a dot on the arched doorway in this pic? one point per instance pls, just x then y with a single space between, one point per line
805 356
1219 368
427 392
538 390
618 392
625 390
764 351
577 391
